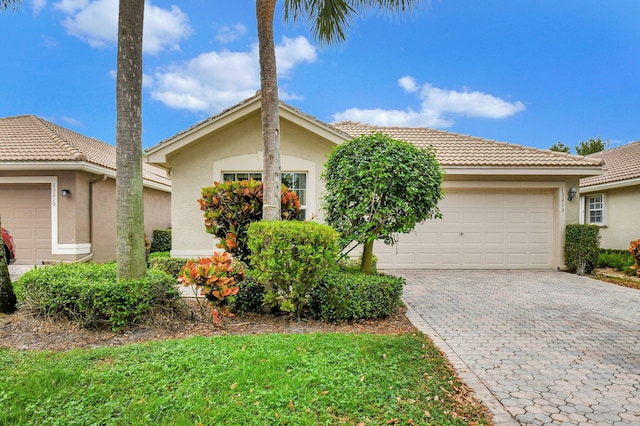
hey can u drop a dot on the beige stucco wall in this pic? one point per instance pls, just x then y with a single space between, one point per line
621 215
236 147
157 215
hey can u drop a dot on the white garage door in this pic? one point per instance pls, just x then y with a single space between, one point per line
26 213
480 230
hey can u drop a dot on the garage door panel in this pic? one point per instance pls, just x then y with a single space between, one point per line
26 213
481 229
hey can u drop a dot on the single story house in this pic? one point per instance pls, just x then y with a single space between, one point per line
57 193
612 200
505 205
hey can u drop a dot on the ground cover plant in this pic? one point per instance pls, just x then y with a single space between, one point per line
296 379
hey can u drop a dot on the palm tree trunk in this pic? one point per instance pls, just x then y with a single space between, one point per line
270 115
7 296
130 253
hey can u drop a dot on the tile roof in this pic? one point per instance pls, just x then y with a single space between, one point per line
620 164
457 150
27 138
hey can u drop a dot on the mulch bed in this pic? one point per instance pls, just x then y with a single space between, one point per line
24 331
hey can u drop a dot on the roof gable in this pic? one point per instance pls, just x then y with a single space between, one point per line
620 164
159 153
29 139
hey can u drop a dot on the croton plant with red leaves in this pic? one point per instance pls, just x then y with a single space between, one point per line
634 249
216 277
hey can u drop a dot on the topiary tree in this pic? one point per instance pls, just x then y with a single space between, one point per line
230 207
378 187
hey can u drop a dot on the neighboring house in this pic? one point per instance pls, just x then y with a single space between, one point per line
612 200
505 207
57 193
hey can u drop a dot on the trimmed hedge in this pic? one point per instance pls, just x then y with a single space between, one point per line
346 295
90 294
168 265
581 248
161 240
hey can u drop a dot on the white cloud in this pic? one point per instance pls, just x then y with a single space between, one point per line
436 107
216 80
96 22
227 34
38 5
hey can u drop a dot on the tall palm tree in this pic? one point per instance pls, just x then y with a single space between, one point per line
130 256
329 20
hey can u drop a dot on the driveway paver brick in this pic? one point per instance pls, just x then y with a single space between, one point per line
538 347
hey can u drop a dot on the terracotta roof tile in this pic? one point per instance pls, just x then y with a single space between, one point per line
454 149
28 138
620 164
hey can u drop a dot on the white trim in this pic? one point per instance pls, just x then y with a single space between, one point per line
74 248
586 210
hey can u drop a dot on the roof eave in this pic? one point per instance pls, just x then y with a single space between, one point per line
76 166
579 171
611 185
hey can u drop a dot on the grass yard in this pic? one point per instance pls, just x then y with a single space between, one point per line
270 379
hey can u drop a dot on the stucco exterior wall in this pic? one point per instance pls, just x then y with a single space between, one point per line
157 215
622 224
236 147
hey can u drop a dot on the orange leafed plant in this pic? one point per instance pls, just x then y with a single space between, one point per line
216 277
634 249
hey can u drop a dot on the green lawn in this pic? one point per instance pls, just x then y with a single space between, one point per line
274 379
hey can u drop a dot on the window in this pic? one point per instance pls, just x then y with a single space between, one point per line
594 209
295 181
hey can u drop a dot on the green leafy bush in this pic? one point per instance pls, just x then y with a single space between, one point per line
230 207
159 254
168 265
161 240
621 260
581 248
250 296
90 294
289 259
346 295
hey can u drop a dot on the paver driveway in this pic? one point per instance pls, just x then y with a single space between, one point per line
551 347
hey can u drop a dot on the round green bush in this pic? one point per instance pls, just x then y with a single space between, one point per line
90 294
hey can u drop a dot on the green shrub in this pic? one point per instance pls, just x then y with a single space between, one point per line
168 265
159 254
230 207
346 295
161 240
355 263
289 259
621 260
250 296
581 248
90 294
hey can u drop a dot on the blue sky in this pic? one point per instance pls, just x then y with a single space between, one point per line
521 71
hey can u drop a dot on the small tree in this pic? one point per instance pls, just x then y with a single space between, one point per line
591 146
560 147
378 187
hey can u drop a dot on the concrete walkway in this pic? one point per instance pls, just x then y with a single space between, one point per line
537 347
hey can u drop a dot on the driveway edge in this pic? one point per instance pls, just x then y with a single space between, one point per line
499 415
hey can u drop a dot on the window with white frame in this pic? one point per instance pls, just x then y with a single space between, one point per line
295 181
594 209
